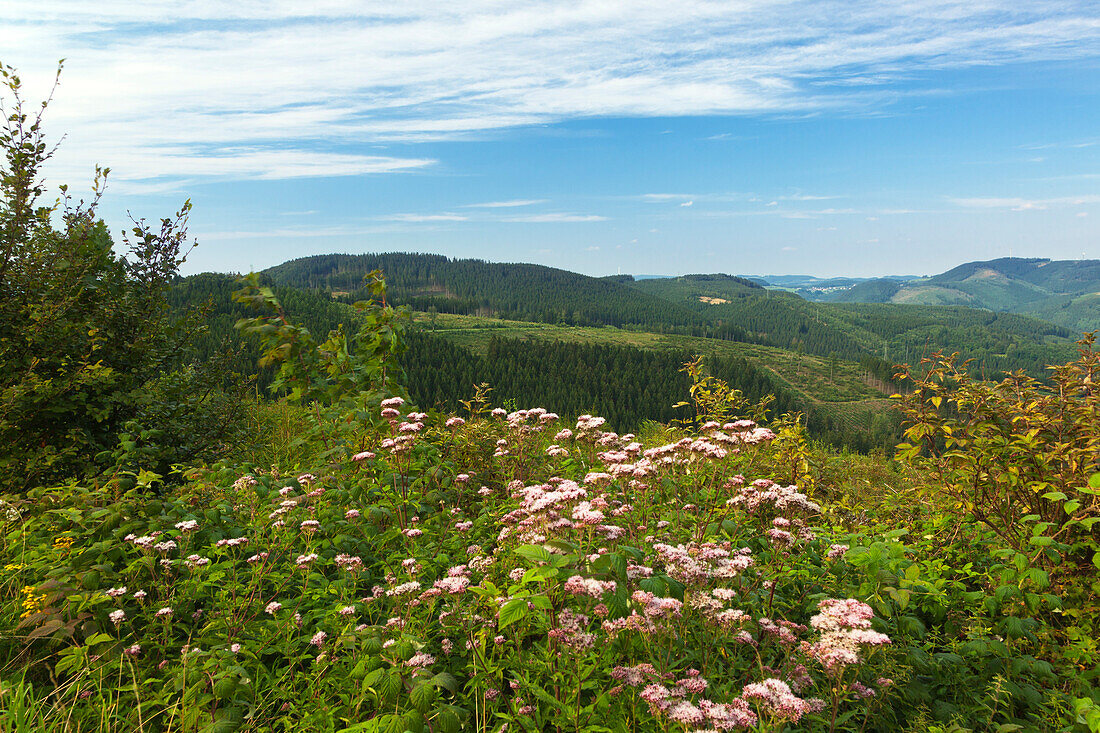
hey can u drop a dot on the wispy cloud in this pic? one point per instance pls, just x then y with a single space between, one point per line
281 89
1025 204
423 217
555 218
506 204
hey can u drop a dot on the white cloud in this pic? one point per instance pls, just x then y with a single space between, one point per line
554 218
423 217
208 90
1022 204
688 203
506 204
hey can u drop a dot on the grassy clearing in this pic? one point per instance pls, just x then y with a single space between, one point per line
814 378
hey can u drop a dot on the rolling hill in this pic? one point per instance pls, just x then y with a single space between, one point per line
1064 292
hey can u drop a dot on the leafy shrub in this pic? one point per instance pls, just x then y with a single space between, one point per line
83 331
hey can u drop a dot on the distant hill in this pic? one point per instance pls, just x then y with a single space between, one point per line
718 306
516 291
894 332
1064 292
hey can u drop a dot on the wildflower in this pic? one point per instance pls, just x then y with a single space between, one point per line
404 589
165 612
463 526
133 650
484 491
412 533
685 713
499 412
166 546
351 514
453 585
347 611
196 561
272 607
862 691
244 482
140 595
116 592
306 478
258 557
656 696
189 525
303 561
362 456
234 648
776 697
318 639
390 413
392 402
117 617
348 562
576 585
462 478
836 551
454 422
845 625
420 659
310 525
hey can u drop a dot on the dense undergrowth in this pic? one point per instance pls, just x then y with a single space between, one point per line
508 569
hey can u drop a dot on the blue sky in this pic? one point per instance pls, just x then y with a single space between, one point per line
747 136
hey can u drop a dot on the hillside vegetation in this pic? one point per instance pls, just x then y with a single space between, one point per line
1063 292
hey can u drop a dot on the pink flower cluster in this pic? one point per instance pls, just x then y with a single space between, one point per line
578 586
695 563
765 493
845 626
775 696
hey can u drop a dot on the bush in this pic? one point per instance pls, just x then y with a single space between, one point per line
83 331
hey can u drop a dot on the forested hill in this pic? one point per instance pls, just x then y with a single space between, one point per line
711 305
1064 292
515 291
898 333
775 318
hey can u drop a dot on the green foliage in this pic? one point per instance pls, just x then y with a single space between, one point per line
342 379
83 331
1021 457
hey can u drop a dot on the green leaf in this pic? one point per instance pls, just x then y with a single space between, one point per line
534 553
445 680
446 722
512 611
